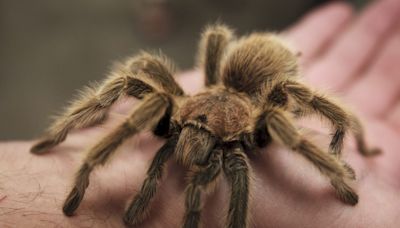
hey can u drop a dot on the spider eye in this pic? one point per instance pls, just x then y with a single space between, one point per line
202 118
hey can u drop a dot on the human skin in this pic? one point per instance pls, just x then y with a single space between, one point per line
354 56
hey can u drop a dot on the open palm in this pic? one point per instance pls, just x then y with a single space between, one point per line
355 58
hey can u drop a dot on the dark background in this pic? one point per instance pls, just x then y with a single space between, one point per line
50 48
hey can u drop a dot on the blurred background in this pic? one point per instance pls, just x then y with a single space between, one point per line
51 48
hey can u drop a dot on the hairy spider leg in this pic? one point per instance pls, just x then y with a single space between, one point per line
145 116
137 77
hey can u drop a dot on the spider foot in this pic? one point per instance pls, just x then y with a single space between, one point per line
345 192
192 220
43 146
371 152
133 214
72 202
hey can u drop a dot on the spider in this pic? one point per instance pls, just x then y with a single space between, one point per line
252 97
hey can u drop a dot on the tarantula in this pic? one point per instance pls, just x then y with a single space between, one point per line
252 97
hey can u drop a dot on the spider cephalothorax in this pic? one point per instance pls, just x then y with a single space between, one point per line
225 114
251 97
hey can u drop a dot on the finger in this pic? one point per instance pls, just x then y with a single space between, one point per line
394 116
386 165
318 28
353 50
378 90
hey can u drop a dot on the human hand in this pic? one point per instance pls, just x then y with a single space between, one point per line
338 50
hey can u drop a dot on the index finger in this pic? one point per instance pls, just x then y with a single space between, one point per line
355 47
318 28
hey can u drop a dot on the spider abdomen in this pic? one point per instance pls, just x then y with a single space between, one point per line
258 60
223 113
